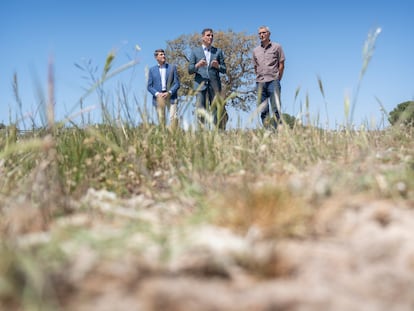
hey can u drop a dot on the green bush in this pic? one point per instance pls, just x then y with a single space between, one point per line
403 113
289 120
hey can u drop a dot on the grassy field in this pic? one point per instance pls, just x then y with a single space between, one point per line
91 215
118 216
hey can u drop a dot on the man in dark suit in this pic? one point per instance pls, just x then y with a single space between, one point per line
163 84
207 62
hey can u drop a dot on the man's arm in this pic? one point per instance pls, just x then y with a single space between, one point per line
281 69
150 85
176 80
222 64
191 64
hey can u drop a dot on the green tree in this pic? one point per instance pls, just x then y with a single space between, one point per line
238 83
403 113
289 120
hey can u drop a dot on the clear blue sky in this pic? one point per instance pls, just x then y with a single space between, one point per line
320 39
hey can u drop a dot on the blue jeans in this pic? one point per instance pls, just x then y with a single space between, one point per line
267 92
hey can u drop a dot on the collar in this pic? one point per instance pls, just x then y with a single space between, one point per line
267 46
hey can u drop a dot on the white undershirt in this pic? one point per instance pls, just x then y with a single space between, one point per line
207 53
163 73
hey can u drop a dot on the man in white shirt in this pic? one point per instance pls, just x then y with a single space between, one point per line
163 84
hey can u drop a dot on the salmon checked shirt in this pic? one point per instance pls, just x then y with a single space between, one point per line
266 61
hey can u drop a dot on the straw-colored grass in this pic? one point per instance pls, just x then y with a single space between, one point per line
249 181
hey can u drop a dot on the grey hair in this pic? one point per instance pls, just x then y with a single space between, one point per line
265 27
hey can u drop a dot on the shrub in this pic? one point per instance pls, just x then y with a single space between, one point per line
403 113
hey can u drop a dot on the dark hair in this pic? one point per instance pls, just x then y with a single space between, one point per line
158 51
205 30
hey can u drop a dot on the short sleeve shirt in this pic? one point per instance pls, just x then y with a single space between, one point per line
266 61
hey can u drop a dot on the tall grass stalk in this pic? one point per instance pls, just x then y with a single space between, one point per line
367 53
50 107
97 84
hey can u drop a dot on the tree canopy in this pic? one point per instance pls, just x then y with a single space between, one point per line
403 113
238 83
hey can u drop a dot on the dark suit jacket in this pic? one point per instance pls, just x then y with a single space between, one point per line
205 73
154 81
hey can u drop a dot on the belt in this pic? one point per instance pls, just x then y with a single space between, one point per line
164 91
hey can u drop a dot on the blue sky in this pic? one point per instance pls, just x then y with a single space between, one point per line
320 38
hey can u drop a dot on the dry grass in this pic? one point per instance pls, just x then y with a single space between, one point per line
261 186
269 208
